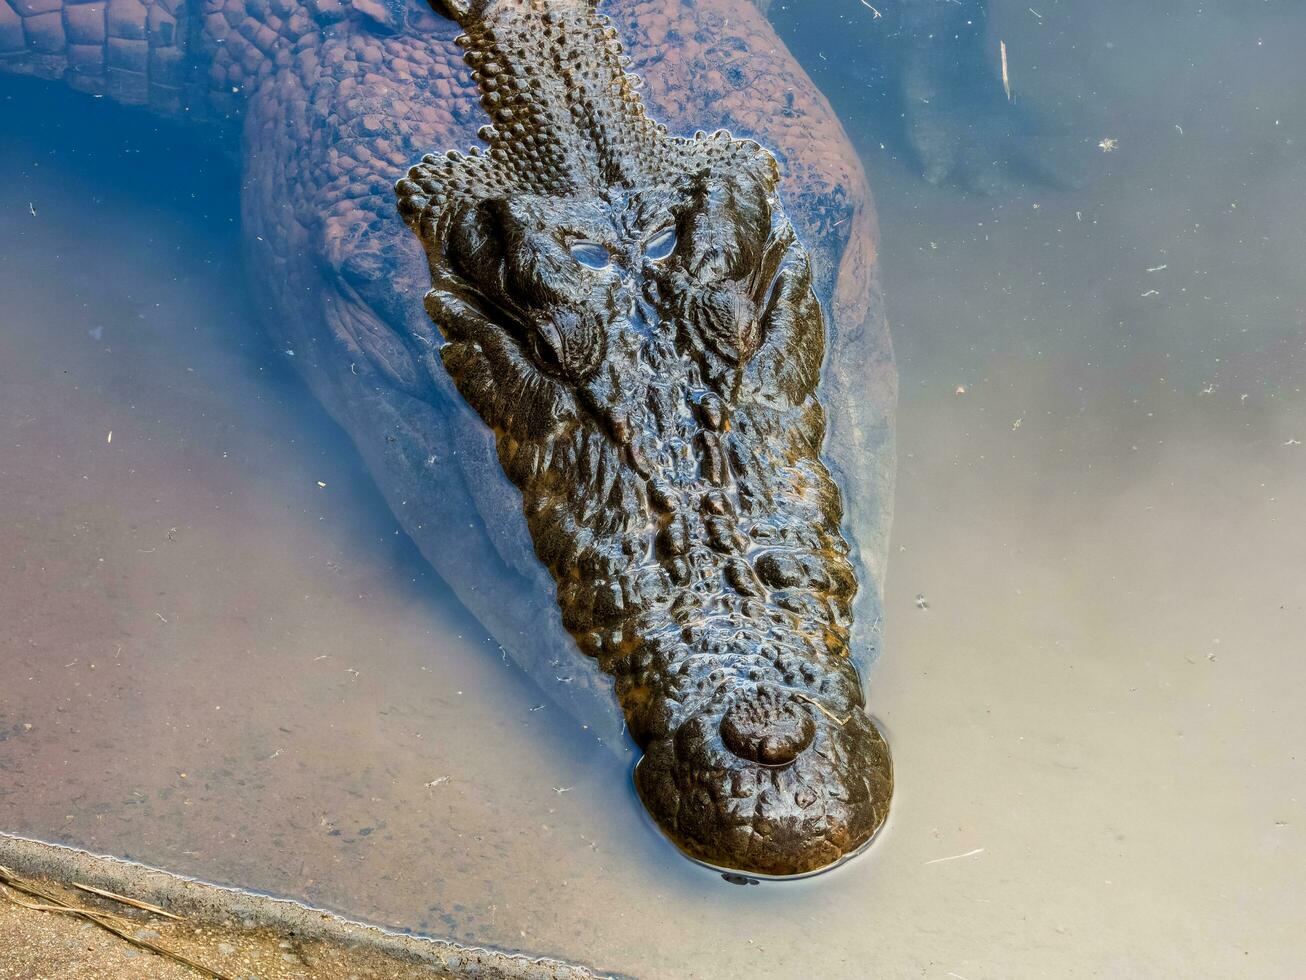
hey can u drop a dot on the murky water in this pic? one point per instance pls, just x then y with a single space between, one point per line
221 656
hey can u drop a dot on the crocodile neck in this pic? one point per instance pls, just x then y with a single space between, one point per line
198 60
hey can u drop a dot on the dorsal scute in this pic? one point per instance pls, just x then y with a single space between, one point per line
566 120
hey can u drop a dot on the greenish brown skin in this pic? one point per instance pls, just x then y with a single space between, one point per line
634 316
333 99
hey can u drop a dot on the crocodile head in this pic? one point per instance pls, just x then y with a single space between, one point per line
633 315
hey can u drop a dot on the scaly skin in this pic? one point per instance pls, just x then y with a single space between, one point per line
330 111
634 317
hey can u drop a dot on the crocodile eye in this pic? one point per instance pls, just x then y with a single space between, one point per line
546 346
592 255
660 245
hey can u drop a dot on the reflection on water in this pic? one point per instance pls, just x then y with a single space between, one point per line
220 656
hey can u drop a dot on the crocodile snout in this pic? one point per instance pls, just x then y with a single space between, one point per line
766 780
767 727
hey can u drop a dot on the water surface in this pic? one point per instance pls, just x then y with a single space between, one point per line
221 656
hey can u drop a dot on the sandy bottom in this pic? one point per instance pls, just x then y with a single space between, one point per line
42 945
71 915
46 946
1096 608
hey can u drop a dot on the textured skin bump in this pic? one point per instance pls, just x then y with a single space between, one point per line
334 99
634 316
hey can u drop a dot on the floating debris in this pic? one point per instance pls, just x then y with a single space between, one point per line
1006 80
798 695
875 14
957 857
1108 144
921 601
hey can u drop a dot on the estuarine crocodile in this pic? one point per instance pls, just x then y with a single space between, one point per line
663 414
633 314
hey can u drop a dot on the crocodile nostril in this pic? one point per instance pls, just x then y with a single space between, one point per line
764 726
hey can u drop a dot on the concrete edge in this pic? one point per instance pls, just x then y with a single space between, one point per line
203 902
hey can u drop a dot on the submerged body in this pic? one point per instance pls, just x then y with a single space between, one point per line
333 101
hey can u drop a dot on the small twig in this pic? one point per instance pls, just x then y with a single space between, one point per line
66 910
823 709
161 951
133 902
955 857
102 919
